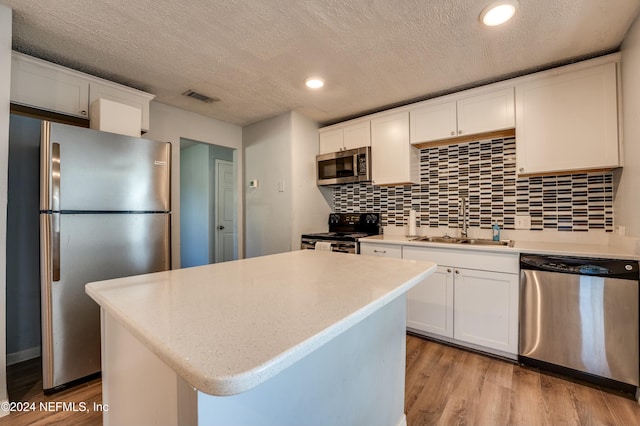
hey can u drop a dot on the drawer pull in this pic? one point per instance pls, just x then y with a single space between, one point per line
380 251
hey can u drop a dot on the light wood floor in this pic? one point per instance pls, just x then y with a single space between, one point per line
444 386
24 382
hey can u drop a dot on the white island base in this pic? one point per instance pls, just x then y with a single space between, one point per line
299 338
357 378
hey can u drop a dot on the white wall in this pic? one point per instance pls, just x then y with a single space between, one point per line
194 204
311 204
5 84
627 201
23 240
282 148
170 124
267 158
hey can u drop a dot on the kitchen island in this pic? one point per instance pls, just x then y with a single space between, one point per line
304 337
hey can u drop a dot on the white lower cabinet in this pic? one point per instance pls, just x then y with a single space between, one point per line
430 303
486 309
470 307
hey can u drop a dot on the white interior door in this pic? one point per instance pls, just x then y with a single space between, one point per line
224 232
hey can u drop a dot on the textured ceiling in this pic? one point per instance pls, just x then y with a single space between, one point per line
255 55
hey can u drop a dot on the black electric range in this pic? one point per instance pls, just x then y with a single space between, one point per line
344 231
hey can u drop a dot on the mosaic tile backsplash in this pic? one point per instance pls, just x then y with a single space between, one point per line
485 173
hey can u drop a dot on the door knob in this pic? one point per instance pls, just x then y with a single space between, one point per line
220 227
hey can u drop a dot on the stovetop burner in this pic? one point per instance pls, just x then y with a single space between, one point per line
338 236
349 227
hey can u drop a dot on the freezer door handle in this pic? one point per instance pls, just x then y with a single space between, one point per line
55 177
55 246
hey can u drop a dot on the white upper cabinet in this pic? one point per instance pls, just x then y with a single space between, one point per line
43 85
487 112
46 86
470 115
568 122
394 161
355 135
433 122
331 141
122 95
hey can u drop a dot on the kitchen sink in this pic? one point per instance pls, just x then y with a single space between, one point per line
469 241
449 240
484 242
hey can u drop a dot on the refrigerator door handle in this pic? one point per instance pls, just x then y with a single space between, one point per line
46 275
55 246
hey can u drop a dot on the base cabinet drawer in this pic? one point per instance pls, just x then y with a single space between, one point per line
381 250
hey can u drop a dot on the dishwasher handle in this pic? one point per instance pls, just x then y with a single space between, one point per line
608 268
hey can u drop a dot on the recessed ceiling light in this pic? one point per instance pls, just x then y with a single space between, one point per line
498 12
314 82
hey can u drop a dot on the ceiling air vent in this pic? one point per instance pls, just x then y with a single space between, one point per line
200 97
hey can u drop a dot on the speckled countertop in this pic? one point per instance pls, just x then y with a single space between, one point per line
534 247
226 328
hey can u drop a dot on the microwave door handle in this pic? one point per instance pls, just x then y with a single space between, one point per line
355 165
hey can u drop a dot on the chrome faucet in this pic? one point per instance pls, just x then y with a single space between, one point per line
463 233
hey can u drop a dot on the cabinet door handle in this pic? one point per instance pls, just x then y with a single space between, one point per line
521 169
459 132
453 133
457 271
449 270
83 112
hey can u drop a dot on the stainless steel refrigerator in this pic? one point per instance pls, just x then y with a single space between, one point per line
104 213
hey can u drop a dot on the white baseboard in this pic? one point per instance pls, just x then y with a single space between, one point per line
402 421
17 357
4 411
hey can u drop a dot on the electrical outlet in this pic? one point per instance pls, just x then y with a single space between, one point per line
523 222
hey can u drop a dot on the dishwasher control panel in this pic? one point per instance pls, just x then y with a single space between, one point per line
624 269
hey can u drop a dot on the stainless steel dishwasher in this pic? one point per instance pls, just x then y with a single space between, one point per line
580 315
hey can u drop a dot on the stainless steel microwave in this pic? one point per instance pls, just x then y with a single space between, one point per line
353 165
